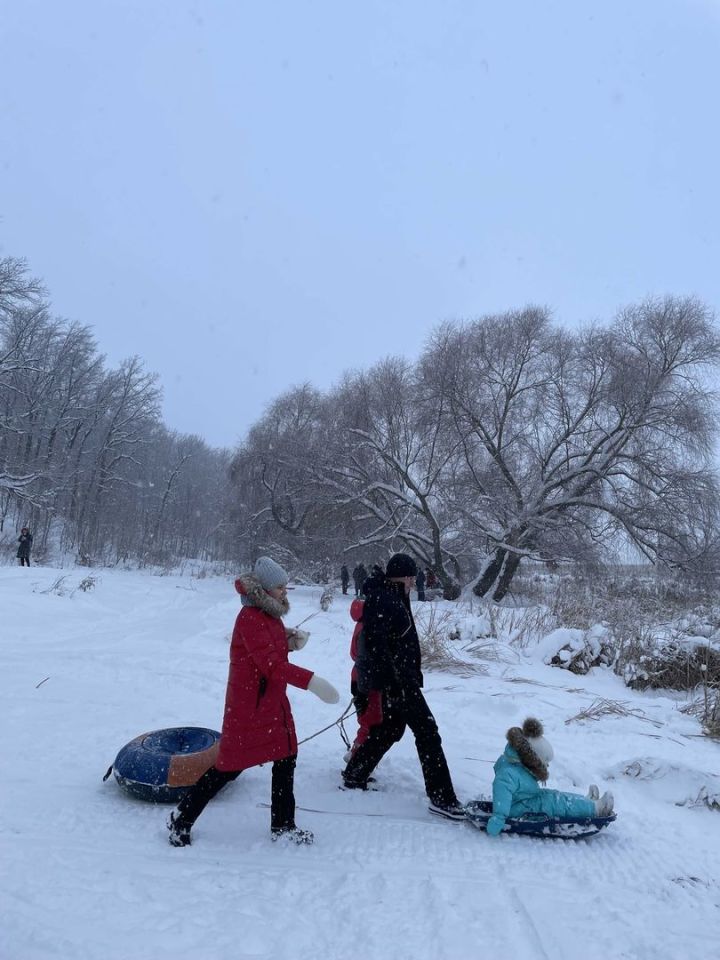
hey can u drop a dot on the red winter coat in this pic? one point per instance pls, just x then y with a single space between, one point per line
356 612
258 724
372 714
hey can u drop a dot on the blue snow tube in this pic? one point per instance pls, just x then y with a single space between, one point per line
161 765
478 812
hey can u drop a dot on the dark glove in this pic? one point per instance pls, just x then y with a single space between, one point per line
360 702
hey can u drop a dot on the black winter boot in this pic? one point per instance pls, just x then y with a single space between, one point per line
291 835
179 831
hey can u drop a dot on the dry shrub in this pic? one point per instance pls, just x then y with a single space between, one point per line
524 626
704 798
711 718
639 604
59 587
436 631
705 706
645 661
580 596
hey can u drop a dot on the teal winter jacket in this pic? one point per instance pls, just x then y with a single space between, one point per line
517 792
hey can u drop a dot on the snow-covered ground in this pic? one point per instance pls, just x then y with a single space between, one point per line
86 872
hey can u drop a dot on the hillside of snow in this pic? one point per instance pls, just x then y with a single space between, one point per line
86 871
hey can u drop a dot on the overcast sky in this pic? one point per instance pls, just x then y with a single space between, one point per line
254 194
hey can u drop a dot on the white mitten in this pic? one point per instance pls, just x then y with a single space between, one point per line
323 689
297 639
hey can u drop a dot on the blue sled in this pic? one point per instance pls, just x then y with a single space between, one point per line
478 813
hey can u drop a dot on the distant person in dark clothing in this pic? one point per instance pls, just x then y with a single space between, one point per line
24 547
359 577
344 578
389 660
420 583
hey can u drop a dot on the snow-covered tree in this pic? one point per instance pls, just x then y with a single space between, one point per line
574 441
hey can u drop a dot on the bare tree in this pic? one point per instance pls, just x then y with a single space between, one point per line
391 465
361 469
84 457
17 288
571 441
278 504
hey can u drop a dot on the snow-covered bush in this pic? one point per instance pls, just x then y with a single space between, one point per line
669 659
579 650
655 630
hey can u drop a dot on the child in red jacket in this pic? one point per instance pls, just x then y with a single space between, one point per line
367 705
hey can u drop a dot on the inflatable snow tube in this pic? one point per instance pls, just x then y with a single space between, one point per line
478 813
159 766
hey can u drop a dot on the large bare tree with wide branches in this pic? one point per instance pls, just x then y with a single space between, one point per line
576 442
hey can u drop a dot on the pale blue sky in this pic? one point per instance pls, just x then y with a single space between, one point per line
250 195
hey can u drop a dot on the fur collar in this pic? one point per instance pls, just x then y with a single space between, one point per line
253 594
517 737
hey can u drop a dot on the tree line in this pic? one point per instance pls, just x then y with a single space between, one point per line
511 438
85 459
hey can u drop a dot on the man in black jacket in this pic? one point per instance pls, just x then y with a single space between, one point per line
389 659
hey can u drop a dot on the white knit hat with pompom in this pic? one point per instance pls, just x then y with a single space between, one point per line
541 747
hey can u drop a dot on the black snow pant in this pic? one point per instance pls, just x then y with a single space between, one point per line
24 560
282 806
401 709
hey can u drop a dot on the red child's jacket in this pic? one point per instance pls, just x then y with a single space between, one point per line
372 715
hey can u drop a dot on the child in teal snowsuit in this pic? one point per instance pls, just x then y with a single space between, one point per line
516 788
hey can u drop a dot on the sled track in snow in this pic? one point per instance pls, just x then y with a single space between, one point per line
516 872
453 876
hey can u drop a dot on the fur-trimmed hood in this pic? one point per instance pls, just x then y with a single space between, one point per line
519 740
253 594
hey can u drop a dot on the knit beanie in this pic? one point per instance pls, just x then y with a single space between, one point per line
269 574
401 565
542 748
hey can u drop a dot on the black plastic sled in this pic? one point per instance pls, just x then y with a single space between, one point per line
478 813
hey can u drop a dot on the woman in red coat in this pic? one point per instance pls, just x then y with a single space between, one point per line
258 725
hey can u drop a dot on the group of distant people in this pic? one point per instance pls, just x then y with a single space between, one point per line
423 578
386 685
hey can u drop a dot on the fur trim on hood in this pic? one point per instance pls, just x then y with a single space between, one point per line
518 738
253 594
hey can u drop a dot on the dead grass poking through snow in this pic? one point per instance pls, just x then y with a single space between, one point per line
601 707
436 628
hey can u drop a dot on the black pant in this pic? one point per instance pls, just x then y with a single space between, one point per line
24 560
282 807
400 709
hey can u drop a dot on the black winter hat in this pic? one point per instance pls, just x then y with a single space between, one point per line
401 565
